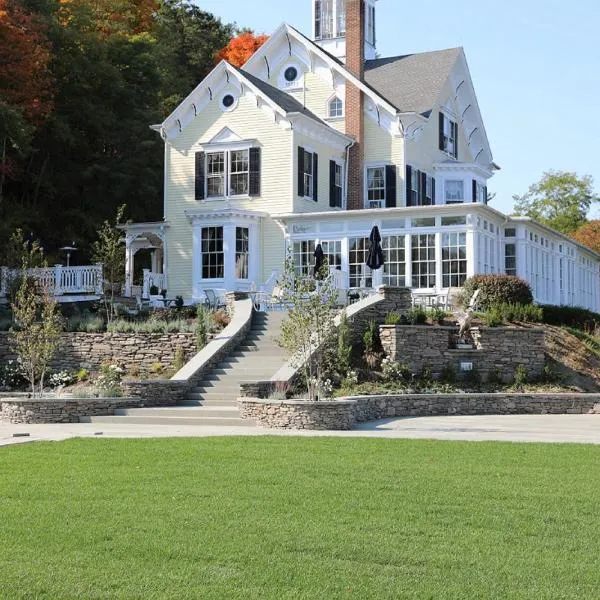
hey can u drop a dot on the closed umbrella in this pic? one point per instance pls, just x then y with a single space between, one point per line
319 261
375 257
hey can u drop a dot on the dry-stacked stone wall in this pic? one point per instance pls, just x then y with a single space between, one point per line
499 349
90 350
342 414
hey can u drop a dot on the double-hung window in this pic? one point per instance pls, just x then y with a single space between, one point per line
242 241
448 135
227 173
454 259
376 187
307 170
455 191
303 253
394 267
423 260
213 257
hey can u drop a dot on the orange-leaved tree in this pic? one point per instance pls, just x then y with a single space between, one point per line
26 92
241 48
589 235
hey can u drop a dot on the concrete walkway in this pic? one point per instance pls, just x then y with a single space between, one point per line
512 428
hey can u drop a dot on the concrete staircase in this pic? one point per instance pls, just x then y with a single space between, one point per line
214 400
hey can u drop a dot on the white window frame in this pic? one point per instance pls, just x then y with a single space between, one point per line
370 34
453 243
242 253
447 183
394 243
339 108
209 253
339 170
423 267
480 196
379 203
450 133
227 172
307 178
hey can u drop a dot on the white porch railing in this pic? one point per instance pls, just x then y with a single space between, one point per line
150 279
59 280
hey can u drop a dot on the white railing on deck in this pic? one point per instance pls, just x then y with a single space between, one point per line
59 280
150 279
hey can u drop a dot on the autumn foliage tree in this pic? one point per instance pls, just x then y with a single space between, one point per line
25 82
241 48
589 235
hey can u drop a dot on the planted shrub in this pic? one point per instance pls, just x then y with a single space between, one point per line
344 346
204 322
523 313
394 372
372 343
416 316
571 316
473 377
493 317
496 289
437 315
448 374
521 376
392 318
179 360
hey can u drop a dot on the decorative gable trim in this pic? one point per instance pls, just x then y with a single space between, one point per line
225 136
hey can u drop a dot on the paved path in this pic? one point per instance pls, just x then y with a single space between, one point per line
513 428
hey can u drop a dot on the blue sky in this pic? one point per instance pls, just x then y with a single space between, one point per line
535 65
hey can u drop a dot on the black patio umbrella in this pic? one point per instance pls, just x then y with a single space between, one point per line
375 257
319 261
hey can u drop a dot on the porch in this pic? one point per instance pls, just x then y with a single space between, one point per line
68 284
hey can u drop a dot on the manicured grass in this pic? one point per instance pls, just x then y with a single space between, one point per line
299 518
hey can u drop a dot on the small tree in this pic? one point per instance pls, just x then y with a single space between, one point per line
308 333
108 250
38 324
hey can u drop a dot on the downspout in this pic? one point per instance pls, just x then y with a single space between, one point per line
346 171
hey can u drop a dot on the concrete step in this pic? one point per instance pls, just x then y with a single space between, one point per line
158 420
178 411
225 397
216 403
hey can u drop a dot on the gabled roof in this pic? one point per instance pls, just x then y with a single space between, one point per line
283 100
413 82
280 102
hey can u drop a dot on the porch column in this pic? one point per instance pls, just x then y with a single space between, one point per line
254 253
229 256
438 262
196 260
129 254
471 253
408 260
154 260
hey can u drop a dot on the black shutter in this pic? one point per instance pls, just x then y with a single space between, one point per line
433 190
199 184
408 184
474 190
390 186
442 131
315 176
485 194
456 140
254 184
423 177
300 171
333 202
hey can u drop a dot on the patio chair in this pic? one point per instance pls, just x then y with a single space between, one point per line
213 300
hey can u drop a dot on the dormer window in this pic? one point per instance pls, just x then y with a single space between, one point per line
336 108
448 135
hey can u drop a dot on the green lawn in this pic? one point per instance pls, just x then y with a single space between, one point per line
291 518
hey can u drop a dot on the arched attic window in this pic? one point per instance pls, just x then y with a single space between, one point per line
336 108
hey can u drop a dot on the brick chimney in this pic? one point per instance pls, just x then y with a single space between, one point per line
355 63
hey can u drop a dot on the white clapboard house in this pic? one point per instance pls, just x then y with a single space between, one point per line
317 140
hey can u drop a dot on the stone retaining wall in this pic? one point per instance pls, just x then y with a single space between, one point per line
342 414
499 349
291 414
155 392
61 410
89 350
